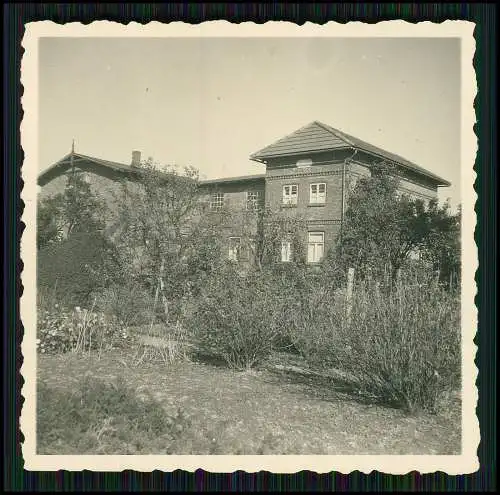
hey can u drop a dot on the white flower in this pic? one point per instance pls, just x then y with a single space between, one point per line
77 309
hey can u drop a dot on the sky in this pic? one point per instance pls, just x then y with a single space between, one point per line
211 102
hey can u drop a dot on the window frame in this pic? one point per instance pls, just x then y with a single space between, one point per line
316 199
237 256
217 204
253 204
290 195
287 250
315 245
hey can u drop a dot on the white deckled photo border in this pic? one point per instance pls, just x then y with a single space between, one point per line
466 462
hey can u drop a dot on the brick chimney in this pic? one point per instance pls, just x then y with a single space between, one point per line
136 159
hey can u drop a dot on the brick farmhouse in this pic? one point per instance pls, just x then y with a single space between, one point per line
308 174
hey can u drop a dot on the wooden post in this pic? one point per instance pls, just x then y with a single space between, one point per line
348 295
72 157
398 278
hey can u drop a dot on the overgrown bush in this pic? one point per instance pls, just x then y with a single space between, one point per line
401 345
76 267
306 299
104 418
130 303
237 318
80 330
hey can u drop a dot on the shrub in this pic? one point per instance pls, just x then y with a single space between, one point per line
76 267
307 303
129 303
104 418
61 331
400 345
237 318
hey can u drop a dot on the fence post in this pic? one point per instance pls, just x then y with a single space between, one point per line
348 295
398 278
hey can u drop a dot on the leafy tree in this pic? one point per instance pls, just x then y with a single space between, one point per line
442 247
384 228
83 210
77 209
262 232
49 224
166 237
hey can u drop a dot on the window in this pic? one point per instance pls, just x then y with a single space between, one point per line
234 248
286 251
217 201
290 194
253 200
315 246
317 193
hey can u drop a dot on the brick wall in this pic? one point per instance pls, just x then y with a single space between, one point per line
302 171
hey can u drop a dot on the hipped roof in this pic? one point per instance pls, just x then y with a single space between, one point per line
317 137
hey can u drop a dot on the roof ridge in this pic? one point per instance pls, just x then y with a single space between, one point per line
336 132
283 138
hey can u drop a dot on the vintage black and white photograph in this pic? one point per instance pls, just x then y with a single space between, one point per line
249 245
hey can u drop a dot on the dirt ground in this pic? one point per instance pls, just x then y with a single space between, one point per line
279 409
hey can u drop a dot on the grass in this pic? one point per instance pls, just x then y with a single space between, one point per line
279 409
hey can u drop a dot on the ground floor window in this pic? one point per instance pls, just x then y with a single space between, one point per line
315 246
286 251
234 248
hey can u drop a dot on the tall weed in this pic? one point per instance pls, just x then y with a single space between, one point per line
399 344
237 318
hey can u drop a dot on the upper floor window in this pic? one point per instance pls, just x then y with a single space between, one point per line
315 246
253 200
290 194
234 248
217 201
317 193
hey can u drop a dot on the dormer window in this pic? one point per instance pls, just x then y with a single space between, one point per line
290 194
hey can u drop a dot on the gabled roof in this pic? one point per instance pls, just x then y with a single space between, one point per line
122 167
316 137
66 161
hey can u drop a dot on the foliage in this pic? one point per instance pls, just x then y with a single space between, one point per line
400 345
76 267
383 228
262 231
166 239
49 225
83 211
442 247
172 347
80 330
237 318
104 418
77 209
131 303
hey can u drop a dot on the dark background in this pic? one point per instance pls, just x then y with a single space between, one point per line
15 16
